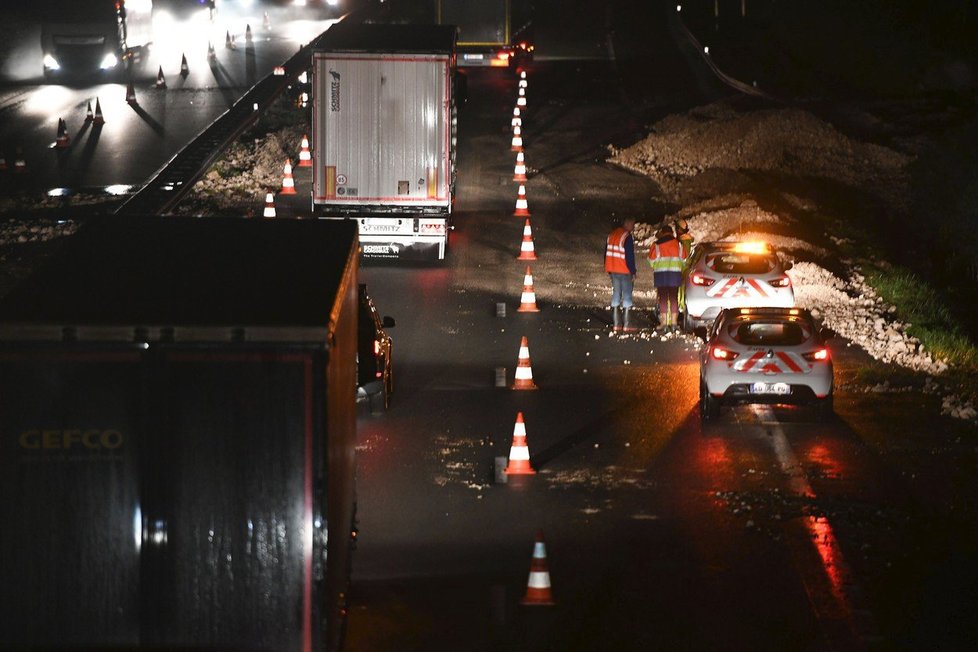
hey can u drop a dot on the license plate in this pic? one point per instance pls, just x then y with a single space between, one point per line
472 57
770 388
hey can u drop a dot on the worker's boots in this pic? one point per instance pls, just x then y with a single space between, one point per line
616 317
629 327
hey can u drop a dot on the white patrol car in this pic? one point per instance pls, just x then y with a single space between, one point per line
732 275
765 355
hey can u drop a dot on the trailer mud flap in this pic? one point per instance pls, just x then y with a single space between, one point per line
403 250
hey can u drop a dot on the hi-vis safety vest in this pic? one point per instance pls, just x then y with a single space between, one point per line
614 257
666 257
686 245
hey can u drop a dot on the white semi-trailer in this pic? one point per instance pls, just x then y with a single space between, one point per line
384 135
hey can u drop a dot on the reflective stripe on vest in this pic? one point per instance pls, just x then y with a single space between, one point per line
666 257
614 258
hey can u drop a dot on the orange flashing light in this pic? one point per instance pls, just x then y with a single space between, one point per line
752 248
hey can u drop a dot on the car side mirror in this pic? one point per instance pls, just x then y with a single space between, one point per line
788 265
826 333
387 322
700 332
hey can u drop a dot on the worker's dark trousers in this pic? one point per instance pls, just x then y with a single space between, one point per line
668 305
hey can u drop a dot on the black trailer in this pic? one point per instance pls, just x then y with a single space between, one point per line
177 437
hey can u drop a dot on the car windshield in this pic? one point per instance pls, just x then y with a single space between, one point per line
731 262
764 333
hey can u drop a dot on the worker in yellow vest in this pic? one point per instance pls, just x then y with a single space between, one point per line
619 262
666 260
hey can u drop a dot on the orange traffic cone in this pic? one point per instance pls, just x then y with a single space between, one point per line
522 207
288 184
538 584
521 100
305 158
63 139
184 68
269 205
528 301
20 165
522 83
98 119
248 36
517 143
130 93
524 373
211 54
517 120
527 250
229 41
265 22
88 113
519 171
519 454
160 79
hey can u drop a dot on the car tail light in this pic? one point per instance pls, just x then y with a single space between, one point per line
782 282
720 353
376 347
817 355
699 279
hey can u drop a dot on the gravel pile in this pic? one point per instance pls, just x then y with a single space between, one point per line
785 141
23 232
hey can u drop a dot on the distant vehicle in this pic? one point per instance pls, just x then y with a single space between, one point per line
730 275
97 36
765 355
375 350
485 34
178 427
384 135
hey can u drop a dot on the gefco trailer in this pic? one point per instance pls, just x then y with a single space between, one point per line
483 28
177 438
384 135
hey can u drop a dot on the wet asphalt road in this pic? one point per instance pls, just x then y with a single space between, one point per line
764 530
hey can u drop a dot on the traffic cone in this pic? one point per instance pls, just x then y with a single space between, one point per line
20 165
519 454
184 68
527 251
519 170
522 207
229 41
269 205
88 112
288 183
248 36
305 157
517 143
211 54
517 120
130 93
99 119
538 584
160 79
522 83
267 24
521 100
528 301
524 374
63 139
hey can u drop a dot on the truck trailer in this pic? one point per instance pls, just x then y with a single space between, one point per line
384 135
99 36
178 424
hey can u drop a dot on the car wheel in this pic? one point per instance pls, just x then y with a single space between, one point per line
686 321
709 404
824 409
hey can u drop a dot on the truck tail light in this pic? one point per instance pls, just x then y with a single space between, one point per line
720 353
699 279
782 282
817 355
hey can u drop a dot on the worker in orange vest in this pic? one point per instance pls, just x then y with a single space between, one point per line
666 259
686 249
619 262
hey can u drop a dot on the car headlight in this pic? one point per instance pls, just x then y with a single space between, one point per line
51 63
108 61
